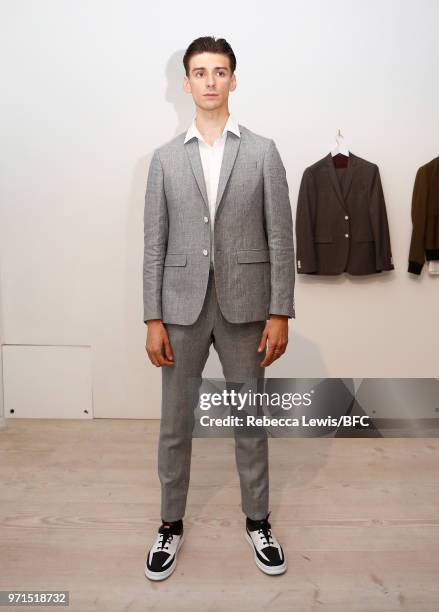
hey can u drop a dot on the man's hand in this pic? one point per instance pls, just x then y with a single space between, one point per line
276 334
157 345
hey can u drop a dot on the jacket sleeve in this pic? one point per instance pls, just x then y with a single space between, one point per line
380 225
280 237
419 220
306 252
155 240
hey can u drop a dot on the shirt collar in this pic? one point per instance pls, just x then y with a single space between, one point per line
231 126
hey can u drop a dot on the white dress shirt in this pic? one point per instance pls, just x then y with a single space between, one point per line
211 160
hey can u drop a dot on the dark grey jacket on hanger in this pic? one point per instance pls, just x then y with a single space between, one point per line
341 219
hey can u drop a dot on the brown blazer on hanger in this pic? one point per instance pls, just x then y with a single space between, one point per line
424 243
341 219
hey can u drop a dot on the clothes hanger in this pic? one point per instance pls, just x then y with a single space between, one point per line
340 147
340 152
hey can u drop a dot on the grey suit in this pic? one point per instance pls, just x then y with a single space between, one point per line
254 251
253 276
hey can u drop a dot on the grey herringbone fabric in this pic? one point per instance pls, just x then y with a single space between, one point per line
253 233
236 345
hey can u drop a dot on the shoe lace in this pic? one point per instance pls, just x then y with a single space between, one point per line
164 541
265 534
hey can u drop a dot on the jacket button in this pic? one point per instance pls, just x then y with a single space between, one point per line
204 251
206 219
346 217
346 235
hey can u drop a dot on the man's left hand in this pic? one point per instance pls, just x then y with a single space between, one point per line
275 334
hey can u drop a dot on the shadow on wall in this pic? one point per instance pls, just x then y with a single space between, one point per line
184 111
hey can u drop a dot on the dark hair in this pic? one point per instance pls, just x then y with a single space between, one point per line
210 45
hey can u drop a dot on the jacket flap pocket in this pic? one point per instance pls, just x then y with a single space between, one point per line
323 238
253 256
175 259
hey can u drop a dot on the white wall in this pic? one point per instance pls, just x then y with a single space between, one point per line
3 421
89 89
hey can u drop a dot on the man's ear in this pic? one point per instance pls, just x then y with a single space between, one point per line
186 84
233 83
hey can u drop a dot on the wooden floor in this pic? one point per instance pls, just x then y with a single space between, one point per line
80 506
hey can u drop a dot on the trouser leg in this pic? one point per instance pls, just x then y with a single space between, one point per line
190 345
236 344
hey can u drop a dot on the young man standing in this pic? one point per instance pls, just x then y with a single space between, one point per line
218 268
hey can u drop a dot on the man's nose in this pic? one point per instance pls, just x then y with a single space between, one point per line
211 81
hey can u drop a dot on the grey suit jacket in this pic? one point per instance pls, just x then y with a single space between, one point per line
253 233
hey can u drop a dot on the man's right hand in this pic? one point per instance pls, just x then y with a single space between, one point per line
157 345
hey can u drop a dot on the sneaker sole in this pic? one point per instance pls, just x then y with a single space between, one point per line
271 571
162 575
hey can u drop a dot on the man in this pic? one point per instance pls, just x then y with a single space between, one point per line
218 268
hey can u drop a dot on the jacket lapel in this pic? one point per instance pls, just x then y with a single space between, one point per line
193 152
231 148
341 194
349 174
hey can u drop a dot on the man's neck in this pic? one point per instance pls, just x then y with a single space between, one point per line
211 124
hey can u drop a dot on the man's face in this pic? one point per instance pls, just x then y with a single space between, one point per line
210 80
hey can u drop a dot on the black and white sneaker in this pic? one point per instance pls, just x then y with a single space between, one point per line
269 556
162 556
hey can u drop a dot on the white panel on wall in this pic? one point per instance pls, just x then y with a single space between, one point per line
47 382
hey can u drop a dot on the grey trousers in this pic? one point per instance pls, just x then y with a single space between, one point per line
236 345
